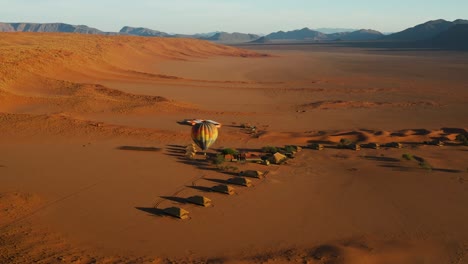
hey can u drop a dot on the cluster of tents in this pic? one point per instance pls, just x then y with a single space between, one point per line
203 201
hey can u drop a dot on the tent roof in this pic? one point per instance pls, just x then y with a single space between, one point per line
252 173
223 188
241 181
177 212
200 200
278 157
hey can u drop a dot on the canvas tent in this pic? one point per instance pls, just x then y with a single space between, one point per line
372 146
354 146
393 145
252 173
277 158
223 189
316 146
240 181
177 212
200 200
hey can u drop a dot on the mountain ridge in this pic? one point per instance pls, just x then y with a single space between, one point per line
424 31
50 27
141 31
430 31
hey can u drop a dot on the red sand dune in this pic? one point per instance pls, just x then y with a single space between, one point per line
90 145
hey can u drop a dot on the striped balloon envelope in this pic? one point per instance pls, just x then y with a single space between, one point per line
204 134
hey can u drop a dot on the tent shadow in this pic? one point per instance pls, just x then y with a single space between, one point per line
201 188
175 150
152 211
398 167
175 199
137 148
217 180
447 170
175 146
384 159
235 174
320 142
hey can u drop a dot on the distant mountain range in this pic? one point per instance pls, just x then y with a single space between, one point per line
146 32
50 27
300 34
362 34
231 37
261 40
436 33
313 35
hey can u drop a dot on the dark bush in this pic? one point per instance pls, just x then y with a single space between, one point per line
463 139
219 159
229 151
270 149
289 148
407 156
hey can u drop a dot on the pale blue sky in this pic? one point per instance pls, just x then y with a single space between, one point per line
248 16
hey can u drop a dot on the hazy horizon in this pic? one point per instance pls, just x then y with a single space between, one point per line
261 17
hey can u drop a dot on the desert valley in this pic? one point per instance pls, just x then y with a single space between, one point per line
92 150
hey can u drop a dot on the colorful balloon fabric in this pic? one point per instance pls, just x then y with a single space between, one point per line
204 134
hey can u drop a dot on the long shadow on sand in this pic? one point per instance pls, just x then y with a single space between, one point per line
137 148
152 211
220 181
397 167
200 188
383 159
175 199
447 170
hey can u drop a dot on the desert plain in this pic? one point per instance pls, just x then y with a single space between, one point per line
91 151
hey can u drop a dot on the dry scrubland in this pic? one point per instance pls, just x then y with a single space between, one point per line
90 145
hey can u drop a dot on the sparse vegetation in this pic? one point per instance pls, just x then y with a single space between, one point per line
228 168
344 143
269 149
219 159
407 156
289 148
229 151
463 139
425 165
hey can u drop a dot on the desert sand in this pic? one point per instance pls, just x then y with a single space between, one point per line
91 151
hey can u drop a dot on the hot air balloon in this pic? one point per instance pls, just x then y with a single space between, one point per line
204 134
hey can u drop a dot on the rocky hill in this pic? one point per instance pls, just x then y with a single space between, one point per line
358 35
49 27
145 32
424 31
300 34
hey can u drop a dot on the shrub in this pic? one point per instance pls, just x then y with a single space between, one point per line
289 148
270 149
407 156
229 151
344 143
463 139
219 159
425 165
